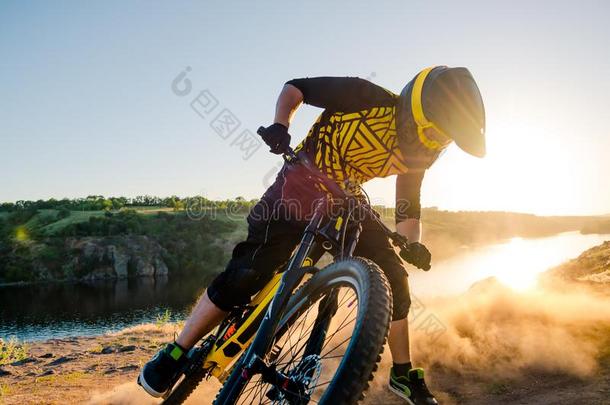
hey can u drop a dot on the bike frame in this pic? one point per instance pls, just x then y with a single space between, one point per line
255 334
269 302
219 359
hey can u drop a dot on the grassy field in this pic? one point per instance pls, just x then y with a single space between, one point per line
453 229
46 243
74 218
83 216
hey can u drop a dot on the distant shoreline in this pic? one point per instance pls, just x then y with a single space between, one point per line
50 245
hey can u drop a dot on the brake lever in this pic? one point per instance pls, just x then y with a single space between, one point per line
400 241
398 238
290 156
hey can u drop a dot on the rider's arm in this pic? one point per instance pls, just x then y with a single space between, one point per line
408 206
344 94
289 100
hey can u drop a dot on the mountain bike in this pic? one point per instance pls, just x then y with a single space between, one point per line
310 335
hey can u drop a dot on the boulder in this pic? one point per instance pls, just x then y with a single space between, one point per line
117 257
24 361
144 268
119 260
160 267
60 360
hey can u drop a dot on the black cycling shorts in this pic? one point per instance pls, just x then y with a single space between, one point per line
270 242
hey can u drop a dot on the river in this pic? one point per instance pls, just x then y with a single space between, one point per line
516 263
39 312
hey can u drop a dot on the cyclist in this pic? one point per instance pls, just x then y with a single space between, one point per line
364 132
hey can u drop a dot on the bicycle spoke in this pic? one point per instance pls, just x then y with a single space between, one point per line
341 326
257 386
326 306
262 394
251 388
321 385
306 333
302 346
344 300
291 346
337 346
328 339
326 356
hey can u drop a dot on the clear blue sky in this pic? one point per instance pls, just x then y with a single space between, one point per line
86 105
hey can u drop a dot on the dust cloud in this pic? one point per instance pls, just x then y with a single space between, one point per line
132 394
489 332
494 331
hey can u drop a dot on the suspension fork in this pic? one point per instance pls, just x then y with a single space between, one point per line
327 308
352 242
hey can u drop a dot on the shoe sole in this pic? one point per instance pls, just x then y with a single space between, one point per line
400 394
149 390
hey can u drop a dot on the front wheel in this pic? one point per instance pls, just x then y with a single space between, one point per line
328 342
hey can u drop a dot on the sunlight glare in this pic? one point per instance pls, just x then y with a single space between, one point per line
518 269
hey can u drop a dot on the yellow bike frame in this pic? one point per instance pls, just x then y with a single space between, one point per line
220 359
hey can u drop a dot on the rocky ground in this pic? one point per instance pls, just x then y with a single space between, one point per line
102 370
73 370
591 267
548 346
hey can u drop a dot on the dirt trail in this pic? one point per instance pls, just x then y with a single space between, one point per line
495 346
102 370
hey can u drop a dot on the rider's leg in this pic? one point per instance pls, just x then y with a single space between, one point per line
405 381
204 317
254 261
374 245
399 341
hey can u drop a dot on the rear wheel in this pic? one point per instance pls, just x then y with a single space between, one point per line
329 340
185 387
192 375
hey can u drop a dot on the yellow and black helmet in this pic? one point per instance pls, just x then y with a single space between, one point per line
447 100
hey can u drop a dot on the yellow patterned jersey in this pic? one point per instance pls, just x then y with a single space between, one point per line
354 147
354 139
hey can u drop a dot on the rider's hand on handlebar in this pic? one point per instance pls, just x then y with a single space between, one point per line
418 255
276 136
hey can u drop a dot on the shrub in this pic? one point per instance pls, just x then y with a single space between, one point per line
12 350
63 213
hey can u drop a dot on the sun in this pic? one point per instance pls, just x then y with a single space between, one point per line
526 169
519 267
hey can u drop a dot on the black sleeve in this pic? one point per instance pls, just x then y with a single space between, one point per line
344 94
408 191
